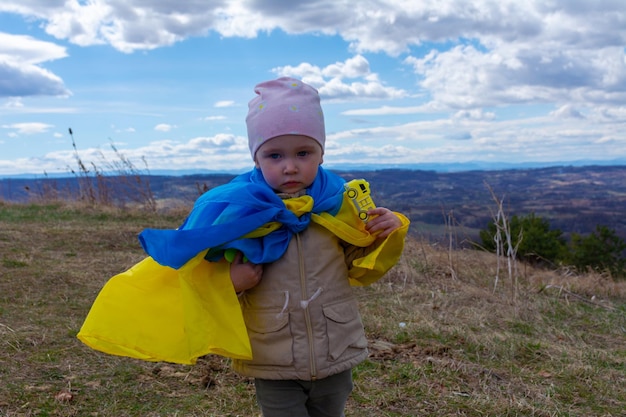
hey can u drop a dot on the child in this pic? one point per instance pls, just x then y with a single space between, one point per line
282 306
301 315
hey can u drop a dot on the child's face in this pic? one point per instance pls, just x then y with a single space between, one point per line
289 163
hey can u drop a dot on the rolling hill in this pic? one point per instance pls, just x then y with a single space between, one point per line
573 199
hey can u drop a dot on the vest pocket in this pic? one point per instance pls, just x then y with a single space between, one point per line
270 337
344 327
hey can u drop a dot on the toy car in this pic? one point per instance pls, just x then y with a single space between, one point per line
358 191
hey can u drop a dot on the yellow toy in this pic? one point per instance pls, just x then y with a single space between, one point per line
358 191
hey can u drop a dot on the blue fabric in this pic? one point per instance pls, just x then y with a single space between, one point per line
221 216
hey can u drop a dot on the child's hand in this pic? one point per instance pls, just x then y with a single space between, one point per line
382 221
244 275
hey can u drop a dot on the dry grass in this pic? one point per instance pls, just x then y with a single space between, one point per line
443 342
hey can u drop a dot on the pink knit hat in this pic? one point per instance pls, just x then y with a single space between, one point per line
285 106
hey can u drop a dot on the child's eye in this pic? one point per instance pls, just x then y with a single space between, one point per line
274 155
303 153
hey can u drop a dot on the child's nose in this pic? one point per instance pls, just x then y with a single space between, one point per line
290 166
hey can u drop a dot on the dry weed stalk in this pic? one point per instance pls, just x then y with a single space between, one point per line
86 190
130 181
449 221
126 184
504 245
591 301
47 190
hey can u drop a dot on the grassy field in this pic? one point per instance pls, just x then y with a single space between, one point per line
443 341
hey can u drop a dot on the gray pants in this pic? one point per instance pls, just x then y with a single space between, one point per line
293 398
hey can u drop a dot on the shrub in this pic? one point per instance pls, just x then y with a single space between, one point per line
534 240
601 250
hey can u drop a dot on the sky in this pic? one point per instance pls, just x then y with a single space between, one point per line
164 84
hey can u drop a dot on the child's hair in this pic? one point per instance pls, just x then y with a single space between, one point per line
284 106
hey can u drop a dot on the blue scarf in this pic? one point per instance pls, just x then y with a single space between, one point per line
222 215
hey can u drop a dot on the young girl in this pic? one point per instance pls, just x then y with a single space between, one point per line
301 315
299 245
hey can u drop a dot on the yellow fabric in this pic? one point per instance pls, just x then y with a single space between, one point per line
347 226
156 313
374 265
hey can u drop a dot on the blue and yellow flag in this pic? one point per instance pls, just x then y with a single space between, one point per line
174 306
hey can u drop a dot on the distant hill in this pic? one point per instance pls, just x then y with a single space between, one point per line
572 198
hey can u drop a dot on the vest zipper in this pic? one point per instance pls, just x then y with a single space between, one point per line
307 317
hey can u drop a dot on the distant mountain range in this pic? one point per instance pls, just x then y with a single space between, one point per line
575 199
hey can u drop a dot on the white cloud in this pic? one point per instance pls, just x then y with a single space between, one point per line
354 67
608 114
28 50
567 111
163 127
220 152
224 103
513 52
474 114
28 128
20 70
13 103
389 26
489 61
385 111
331 84
466 77
124 130
478 138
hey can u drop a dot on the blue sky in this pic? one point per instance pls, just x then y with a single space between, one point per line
402 81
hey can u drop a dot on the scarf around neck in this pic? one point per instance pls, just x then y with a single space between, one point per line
223 216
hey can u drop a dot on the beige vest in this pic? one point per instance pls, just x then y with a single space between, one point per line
303 318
